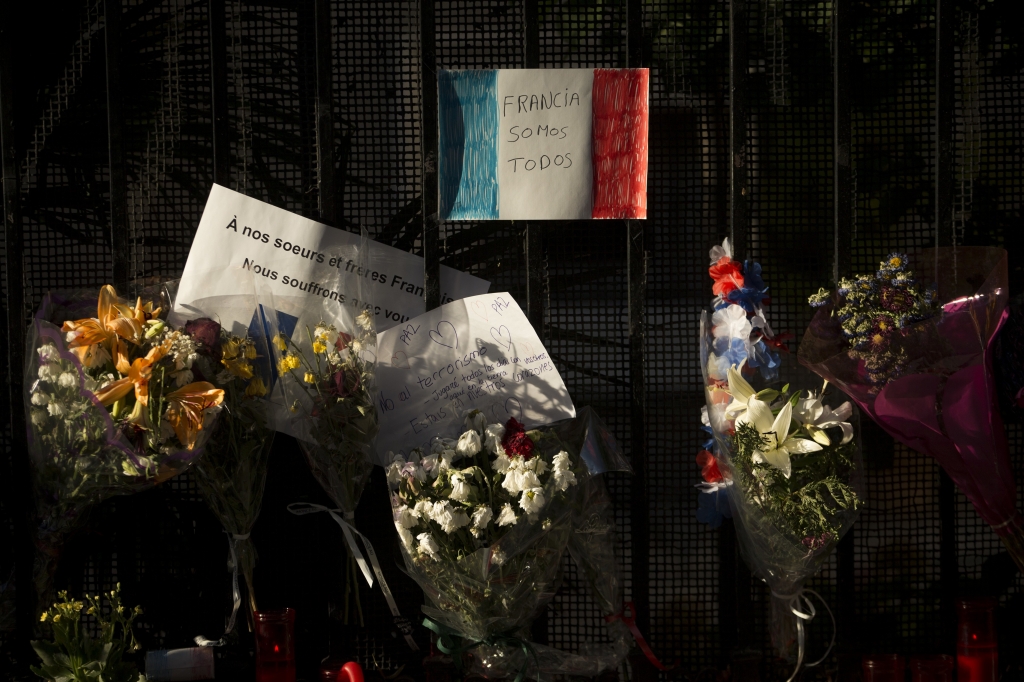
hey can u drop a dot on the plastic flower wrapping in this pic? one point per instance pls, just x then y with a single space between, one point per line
114 407
484 519
918 360
787 458
233 471
323 349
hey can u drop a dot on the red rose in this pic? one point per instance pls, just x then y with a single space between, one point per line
515 441
709 467
345 383
728 275
206 333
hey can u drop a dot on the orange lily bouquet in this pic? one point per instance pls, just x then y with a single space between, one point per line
113 408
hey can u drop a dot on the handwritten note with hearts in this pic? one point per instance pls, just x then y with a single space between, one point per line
477 353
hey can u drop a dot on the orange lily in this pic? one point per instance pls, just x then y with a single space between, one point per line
185 409
139 373
114 321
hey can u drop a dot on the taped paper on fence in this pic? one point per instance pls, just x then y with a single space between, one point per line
543 144
293 256
477 353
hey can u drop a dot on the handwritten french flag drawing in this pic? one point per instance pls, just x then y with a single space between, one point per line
542 144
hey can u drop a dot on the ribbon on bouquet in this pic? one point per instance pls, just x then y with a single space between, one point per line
350 531
236 594
446 644
800 605
628 617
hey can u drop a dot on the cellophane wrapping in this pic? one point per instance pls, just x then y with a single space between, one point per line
775 541
232 473
85 445
486 577
936 392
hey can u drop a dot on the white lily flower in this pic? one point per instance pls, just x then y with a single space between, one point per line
781 444
731 322
815 417
740 390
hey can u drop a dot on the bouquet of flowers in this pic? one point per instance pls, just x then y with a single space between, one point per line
74 656
323 348
484 520
233 472
790 459
113 409
919 361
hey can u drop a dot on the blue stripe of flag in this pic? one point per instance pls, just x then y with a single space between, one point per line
468 123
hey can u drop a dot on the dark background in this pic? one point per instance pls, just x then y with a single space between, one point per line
113 134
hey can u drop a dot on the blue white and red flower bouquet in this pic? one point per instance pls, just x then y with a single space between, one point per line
789 460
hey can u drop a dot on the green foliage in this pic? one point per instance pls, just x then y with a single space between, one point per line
74 656
805 505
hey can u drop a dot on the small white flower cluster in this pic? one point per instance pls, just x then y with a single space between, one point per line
472 490
183 353
55 392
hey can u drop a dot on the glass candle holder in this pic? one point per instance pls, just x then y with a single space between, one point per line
275 645
977 649
884 668
334 670
931 668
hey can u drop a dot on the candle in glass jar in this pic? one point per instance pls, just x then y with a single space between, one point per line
275 645
884 668
977 649
931 668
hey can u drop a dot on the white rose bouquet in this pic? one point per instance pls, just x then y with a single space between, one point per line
484 520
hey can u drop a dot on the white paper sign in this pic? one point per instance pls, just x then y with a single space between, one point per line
296 257
477 353
544 159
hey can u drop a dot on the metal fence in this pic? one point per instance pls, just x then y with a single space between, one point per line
817 135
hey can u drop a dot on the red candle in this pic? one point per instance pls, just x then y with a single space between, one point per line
884 668
275 645
977 649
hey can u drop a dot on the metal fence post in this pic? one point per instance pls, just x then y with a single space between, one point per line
324 114
17 482
636 258
120 239
428 157
219 92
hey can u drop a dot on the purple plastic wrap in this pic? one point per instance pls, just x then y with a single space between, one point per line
940 401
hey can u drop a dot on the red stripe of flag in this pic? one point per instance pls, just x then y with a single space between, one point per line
620 143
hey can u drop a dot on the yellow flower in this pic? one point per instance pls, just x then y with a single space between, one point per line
895 261
229 349
43 618
309 378
319 347
240 368
281 341
256 388
250 351
56 618
288 363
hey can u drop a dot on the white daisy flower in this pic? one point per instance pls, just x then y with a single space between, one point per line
407 538
448 517
68 380
365 320
507 517
406 518
55 409
492 437
501 463
482 516
428 545
469 444
424 508
49 372
532 500
461 490
39 398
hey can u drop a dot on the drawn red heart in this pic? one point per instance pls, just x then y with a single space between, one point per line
480 309
400 359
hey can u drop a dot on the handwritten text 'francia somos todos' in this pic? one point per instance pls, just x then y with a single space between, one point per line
524 104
